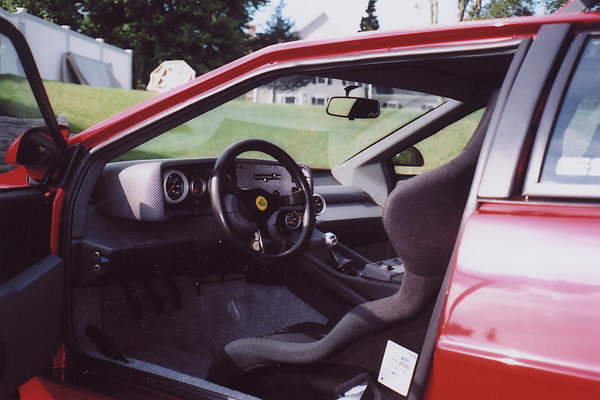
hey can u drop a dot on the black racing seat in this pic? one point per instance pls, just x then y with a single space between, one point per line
422 217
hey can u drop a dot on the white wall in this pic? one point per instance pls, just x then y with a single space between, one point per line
50 42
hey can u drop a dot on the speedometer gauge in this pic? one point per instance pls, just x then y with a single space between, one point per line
175 186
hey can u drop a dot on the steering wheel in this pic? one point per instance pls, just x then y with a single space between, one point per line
260 205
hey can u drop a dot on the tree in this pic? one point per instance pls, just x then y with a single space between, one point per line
60 12
473 9
205 34
370 21
463 6
507 8
433 11
280 30
552 6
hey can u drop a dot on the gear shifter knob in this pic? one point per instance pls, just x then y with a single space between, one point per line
329 240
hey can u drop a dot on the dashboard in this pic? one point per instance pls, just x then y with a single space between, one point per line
160 190
142 212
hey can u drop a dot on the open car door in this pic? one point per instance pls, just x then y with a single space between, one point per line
31 276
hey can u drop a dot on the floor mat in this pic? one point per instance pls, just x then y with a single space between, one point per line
186 338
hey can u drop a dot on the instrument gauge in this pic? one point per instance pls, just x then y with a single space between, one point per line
318 204
198 187
293 220
175 186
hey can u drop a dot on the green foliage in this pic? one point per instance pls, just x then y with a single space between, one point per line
473 9
280 30
370 21
205 34
552 6
67 12
507 8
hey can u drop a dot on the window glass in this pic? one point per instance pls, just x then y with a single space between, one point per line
18 109
444 145
573 155
290 112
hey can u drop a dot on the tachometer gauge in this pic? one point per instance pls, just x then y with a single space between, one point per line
175 186
293 220
198 187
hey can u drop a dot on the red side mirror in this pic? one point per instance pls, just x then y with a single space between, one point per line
34 149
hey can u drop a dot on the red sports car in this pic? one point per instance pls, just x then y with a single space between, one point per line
395 214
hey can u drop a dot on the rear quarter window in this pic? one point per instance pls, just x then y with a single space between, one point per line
573 153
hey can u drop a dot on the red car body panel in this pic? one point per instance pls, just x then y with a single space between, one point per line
520 319
40 388
479 32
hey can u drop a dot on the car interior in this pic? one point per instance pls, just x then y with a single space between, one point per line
254 245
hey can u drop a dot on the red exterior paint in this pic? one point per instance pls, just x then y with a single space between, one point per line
56 213
520 319
487 31
14 178
59 363
40 388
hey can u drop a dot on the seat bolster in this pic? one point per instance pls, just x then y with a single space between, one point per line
364 319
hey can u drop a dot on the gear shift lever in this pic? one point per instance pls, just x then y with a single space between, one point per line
338 261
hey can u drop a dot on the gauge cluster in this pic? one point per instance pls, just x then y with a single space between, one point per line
158 190
177 186
187 185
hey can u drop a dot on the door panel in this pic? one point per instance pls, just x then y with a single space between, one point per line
30 306
31 287
25 234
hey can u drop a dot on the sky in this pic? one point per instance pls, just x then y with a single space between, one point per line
346 14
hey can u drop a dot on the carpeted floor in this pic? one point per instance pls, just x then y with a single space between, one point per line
185 339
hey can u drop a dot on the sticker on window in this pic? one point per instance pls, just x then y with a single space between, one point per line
397 368
578 166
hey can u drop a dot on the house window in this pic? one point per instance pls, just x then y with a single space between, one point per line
319 80
289 100
318 101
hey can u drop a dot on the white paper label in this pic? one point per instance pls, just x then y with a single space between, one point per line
397 368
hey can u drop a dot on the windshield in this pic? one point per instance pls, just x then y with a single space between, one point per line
290 112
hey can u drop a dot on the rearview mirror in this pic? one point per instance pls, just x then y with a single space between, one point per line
353 107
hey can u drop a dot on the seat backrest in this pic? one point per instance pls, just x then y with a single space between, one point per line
422 215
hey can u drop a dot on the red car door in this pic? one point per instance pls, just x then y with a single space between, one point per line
31 274
520 317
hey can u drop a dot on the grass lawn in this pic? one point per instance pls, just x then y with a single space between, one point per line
307 133
83 106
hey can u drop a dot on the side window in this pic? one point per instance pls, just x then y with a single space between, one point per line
443 146
573 154
18 108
